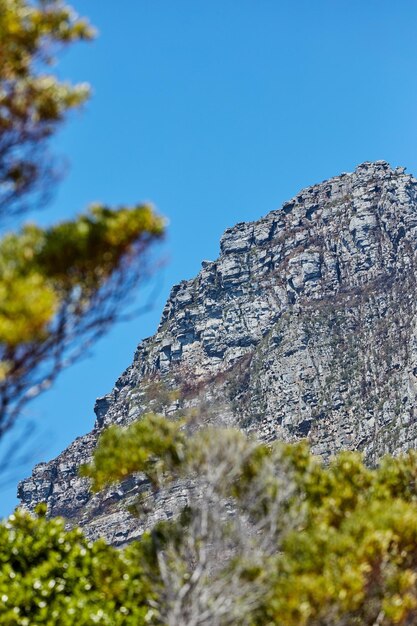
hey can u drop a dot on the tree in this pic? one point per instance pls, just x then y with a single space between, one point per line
33 103
52 576
61 287
270 535
212 563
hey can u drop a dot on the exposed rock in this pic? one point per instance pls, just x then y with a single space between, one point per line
305 326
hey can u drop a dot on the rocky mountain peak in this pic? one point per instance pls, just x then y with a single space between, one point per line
305 326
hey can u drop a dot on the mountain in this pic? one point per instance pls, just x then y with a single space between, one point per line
305 326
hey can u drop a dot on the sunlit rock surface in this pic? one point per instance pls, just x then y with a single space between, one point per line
305 326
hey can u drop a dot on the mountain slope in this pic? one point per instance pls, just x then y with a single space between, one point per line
304 326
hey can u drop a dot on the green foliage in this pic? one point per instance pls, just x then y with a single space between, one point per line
32 102
84 252
153 445
41 268
353 559
344 540
61 287
52 576
326 544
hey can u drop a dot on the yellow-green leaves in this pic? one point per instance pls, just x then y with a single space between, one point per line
153 445
27 300
30 31
353 559
40 268
87 250
342 537
52 576
27 305
338 548
60 287
32 100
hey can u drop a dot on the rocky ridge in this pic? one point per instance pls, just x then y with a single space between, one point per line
305 326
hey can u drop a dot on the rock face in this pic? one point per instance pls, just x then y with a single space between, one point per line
305 326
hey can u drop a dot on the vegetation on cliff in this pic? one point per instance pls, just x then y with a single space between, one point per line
269 535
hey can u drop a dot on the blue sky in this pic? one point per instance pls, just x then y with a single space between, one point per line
217 112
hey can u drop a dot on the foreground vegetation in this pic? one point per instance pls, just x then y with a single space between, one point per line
61 286
270 535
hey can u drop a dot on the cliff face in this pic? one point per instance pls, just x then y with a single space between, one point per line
305 326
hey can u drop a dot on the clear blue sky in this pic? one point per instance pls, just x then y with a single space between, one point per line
218 112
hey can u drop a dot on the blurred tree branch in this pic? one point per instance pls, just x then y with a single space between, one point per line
61 287
33 102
